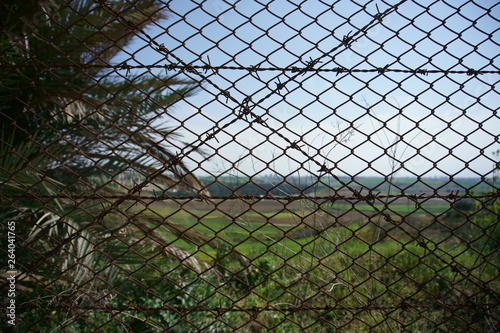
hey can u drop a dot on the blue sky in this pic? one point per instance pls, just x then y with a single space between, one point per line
359 123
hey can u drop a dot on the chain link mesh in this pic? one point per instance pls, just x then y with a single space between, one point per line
249 166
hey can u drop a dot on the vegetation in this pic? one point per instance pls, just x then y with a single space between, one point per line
353 275
70 126
293 185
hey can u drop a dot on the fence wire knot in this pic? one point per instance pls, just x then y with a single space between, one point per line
472 72
382 70
347 40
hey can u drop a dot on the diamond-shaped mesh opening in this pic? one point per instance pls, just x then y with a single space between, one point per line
249 166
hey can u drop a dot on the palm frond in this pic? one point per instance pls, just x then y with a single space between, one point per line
74 132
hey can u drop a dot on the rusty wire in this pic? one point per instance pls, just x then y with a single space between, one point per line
159 252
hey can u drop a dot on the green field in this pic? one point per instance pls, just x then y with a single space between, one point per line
346 254
401 209
252 231
287 231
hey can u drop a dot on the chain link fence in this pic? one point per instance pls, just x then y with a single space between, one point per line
250 166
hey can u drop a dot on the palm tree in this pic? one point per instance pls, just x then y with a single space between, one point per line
57 85
70 125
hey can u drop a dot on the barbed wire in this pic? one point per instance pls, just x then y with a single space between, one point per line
358 196
196 69
282 309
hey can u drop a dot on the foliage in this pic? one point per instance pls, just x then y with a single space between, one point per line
69 129
57 92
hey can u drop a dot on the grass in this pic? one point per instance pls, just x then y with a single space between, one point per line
255 232
364 264
395 208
